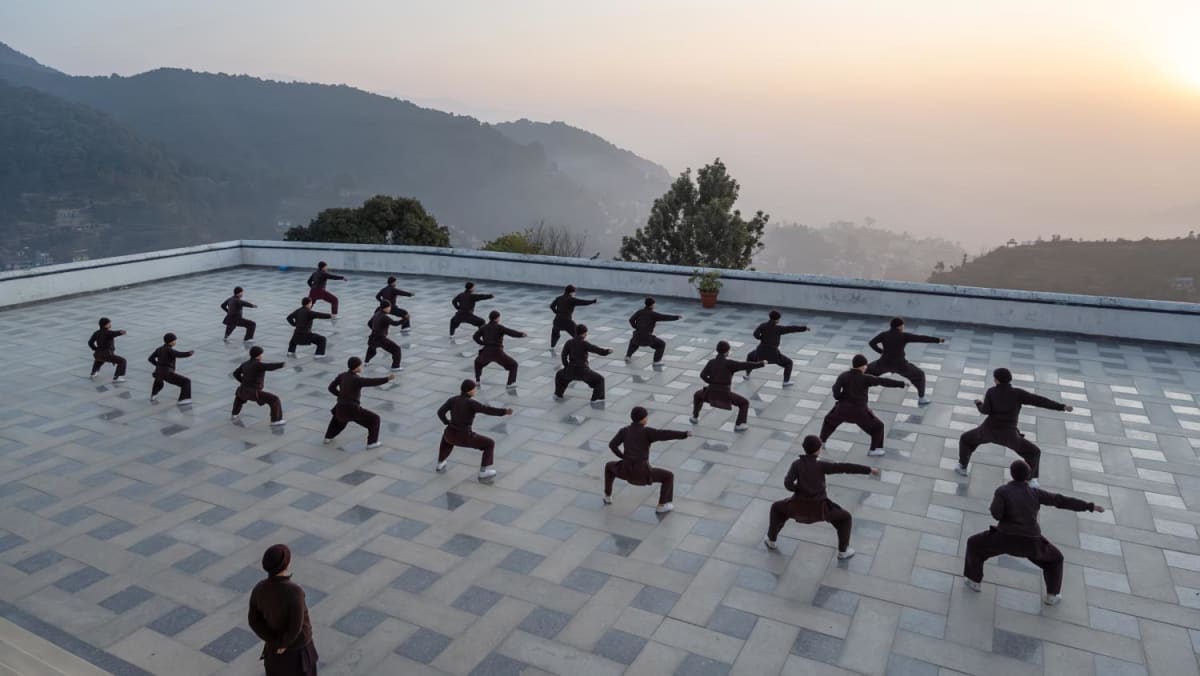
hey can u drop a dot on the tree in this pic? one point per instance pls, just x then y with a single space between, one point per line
695 224
513 242
380 220
547 240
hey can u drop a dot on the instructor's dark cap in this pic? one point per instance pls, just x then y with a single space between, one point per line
237 290
897 322
722 347
859 361
391 279
322 264
276 559
466 386
103 321
774 315
255 351
638 414
353 363
305 301
470 285
494 315
169 338
1002 375
580 329
1020 470
811 444
570 288
649 301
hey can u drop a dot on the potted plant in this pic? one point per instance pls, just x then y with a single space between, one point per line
708 283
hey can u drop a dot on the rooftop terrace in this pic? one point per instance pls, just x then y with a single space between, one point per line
130 532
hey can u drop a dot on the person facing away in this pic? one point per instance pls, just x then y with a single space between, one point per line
769 335
251 376
301 319
389 294
379 324
850 394
644 322
1017 533
279 617
103 344
717 375
163 359
575 365
464 307
890 346
490 338
809 502
347 387
233 307
317 291
458 415
563 308
1002 405
633 465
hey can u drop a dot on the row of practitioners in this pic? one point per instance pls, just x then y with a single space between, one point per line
278 613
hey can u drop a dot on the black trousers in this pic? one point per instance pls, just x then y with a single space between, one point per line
496 355
743 405
185 385
905 369
1007 437
101 358
467 439
666 480
464 318
344 414
659 345
837 517
262 398
382 343
860 415
566 376
249 326
561 325
1038 550
295 661
772 356
307 339
405 319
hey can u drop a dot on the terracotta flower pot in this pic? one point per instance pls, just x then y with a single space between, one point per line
708 299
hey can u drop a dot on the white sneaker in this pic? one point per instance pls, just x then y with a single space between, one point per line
226 339
1053 599
972 584
398 369
377 444
787 383
278 423
320 357
598 403
153 398
628 359
235 417
291 354
441 466
92 376
119 379
741 428
185 402
770 544
663 509
327 441
657 364
876 452
405 332
511 387
924 401
842 556
486 473
693 419
960 470
249 341
1033 483
333 318
607 499
558 397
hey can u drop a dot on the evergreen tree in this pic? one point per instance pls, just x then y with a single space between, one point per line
380 220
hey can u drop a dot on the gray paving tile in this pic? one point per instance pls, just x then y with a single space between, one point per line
406 529
837 600
461 544
558 529
817 646
922 622
358 561
126 598
81 579
732 622
756 579
38 562
684 562
176 620
229 646
307 545
585 580
359 622
618 544
73 515
244 580
357 515
197 561
258 530
423 646
476 600
544 622
521 561
496 664
695 665
415 580
309 502
899 665
111 529
153 544
1017 646
619 646
214 515
655 600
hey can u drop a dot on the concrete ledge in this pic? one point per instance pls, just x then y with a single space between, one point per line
1053 312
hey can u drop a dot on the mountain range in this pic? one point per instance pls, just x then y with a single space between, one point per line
172 157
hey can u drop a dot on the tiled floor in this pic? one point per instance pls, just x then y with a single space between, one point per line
132 531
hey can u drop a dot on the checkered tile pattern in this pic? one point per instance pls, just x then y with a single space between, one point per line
135 529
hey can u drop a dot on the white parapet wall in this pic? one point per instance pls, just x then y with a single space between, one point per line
1091 315
69 279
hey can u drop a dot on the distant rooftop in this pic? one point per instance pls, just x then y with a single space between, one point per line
131 532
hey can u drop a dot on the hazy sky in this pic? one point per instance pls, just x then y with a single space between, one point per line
973 120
